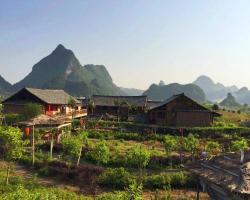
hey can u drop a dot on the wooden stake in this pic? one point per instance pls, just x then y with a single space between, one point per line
33 146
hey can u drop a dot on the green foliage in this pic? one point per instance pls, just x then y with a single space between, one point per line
160 181
170 144
167 181
113 196
134 192
215 107
165 195
240 144
72 145
11 142
212 147
100 154
117 178
191 143
31 110
13 118
16 192
138 157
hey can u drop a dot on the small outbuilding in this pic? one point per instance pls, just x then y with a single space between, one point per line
181 111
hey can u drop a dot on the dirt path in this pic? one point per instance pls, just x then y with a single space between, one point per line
27 173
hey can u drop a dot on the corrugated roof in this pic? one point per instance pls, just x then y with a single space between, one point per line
226 171
102 100
166 101
152 104
48 96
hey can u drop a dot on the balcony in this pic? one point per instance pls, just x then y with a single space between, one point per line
77 113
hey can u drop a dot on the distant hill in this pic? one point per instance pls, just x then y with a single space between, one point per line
243 95
229 101
62 70
132 91
5 87
162 92
214 91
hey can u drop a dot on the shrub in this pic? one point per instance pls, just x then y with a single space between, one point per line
100 154
157 182
117 178
178 179
138 157
113 196
238 145
31 110
166 181
12 118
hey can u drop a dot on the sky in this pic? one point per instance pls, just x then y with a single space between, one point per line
139 41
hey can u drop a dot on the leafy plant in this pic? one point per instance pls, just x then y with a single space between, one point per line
73 145
100 154
12 145
191 143
117 178
212 147
239 145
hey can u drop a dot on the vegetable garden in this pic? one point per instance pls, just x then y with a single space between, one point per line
110 163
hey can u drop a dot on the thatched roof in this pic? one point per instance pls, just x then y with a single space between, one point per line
43 120
45 95
225 171
102 100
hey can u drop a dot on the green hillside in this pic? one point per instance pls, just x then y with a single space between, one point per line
162 92
62 70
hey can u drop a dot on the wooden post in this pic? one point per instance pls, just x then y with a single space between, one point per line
79 157
51 146
33 146
198 191
7 175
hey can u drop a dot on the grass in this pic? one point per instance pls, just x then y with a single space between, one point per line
234 117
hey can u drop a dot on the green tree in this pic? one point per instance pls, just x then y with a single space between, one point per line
170 144
239 145
138 157
215 107
12 145
191 143
100 153
73 145
31 110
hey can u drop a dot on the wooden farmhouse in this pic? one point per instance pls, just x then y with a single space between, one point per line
114 105
53 102
180 111
225 177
